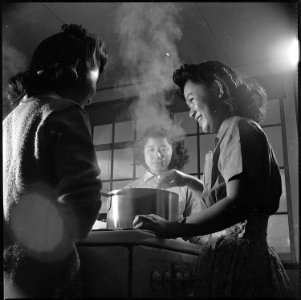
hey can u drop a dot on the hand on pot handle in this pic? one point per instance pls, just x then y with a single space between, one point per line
158 225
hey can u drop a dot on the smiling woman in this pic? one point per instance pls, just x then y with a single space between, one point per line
242 187
214 91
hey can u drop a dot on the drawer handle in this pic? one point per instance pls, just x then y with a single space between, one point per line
155 280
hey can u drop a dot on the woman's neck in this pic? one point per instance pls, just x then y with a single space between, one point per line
156 173
223 114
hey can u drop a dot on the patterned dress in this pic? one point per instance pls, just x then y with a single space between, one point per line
237 261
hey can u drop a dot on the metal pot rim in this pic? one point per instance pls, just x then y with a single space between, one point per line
130 190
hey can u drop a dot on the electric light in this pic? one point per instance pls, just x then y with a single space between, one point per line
286 53
293 52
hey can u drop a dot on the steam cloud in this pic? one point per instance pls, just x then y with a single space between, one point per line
148 33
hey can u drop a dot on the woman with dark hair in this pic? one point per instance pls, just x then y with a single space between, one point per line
51 193
159 150
242 187
179 155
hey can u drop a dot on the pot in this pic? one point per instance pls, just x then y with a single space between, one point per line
125 204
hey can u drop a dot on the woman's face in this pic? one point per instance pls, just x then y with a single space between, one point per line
202 105
157 154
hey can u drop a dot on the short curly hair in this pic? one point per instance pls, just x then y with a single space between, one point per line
58 60
245 98
179 151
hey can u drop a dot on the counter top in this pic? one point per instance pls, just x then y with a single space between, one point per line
104 237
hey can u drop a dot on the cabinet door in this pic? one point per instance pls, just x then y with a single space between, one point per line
162 273
104 271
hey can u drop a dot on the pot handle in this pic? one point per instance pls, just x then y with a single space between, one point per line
105 194
109 201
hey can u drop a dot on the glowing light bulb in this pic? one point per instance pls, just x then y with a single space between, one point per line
94 74
285 53
293 52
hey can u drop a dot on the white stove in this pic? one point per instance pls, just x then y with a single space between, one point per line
136 263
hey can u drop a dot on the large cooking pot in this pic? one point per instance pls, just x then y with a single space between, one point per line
124 204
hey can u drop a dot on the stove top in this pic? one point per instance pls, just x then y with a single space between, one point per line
105 237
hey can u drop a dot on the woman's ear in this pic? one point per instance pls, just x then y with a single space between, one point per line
69 74
219 88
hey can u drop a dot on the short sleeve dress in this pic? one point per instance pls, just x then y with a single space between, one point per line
237 261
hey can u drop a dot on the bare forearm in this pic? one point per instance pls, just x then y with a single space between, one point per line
215 218
226 212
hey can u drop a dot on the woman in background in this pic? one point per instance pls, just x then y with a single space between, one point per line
242 187
160 150
51 193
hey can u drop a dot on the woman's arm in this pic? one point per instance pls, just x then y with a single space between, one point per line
242 167
225 213
177 178
75 170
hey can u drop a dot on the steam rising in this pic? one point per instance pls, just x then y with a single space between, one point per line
148 33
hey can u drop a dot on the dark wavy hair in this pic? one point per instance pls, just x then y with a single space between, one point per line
59 61
179 152
245 98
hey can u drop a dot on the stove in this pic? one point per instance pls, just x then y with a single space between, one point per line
136 263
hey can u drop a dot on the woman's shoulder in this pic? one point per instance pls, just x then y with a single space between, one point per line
58 104
63 111
240 122
42 107
250 132
248 124
46 106
242 128
242 143
251 144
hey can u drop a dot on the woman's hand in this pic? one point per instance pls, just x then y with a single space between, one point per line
173 178
158 225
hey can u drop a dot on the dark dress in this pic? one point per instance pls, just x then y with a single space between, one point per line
51 194
237 261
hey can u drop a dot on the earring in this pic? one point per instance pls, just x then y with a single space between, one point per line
220 96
